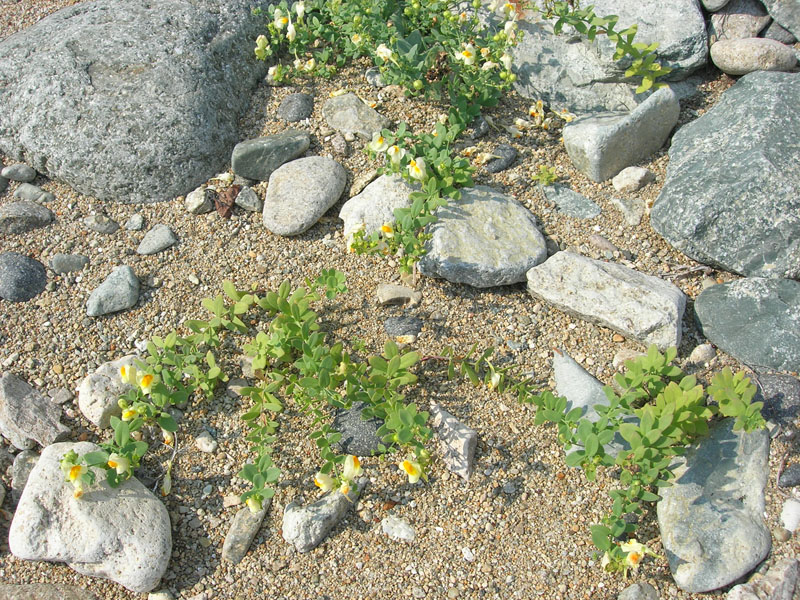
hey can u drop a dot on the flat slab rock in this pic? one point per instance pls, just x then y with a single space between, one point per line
638 306
349 114
243 530
731 198
711 516
570 202
755 319
485 239
26 416
122 534
80 85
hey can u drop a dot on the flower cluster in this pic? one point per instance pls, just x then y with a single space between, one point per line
634 552
345 482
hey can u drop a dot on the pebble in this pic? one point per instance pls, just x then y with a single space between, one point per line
571 203
403 329
206 443
632 179
504 155
199 201
23 216
19 172
119 291
101 224
296 107
702 354
32 193
247 199
790 515
789 478
159 238
21 277
389 293
397 528
135 222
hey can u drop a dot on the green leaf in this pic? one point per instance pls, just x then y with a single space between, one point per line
601 537
167 423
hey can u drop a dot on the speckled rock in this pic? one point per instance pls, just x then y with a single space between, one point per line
632 179
119 291
570 202
247 199
21 277
742 56
738 19
359 435
160 237
99 392
786 13
296 107
711 518
259 158
375 205
348 114
199 201
32 193
504 156
21 217
639 591
26 416
67 263
779 583
456 441
101 224
243 530
781 397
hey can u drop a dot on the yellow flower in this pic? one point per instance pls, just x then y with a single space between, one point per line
467 55
324 482
383 52
352 467
485 52
254 504
396 154
75 472
494 381
169 439
387 231
129 415
121 464
345 487
310 64
127 373
636 552
412 469
356 39
416 168
146 383
281 20
378 143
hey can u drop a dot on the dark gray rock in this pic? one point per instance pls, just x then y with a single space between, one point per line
404 329
242 531
731 198
44 591
32 193
775 32
639 591
27 417
504 156
103 66
457 442
296 107
485 239
786 13
359 435
790 476
258 158
742 56
3 184
19 172
160 237
570 203
247 199
21 217
101 224
348 114
66 263
478 128
710 518
300 192
119 291
754 320
738 19
21 277
781 397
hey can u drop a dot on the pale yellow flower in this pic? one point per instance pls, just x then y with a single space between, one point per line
75 472
416 168
345 487
127 374
146 383
254 504
272 72
324 482
281 20
387 230
494 381
506 60
169 439
300 9
383 52
412 469
291 32
488 65
352 467
396 154
378 143
121 464
636 553
129 415
356 39
310 64
485 52
467 55
606 560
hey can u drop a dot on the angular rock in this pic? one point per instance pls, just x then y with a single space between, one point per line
639 591
247 199
296 107
781 397
504 156
775 32
199 201
348 114
21 217
456 440
135 223
403 329
101 224
486 239
389 293
632 179
731 198
19 172
242 532
397 528
99 392
27 417
359 435
300 192
790 514
786 13
375 205
568 71
20 471
21 278
258 158
119 291
205 442
600 146
121 534
638 306
790 476
98 130
742 56
159 238
67 263
32 193
738 19
632 209
44 591
305 527
710 518
754 320
570 202
778 584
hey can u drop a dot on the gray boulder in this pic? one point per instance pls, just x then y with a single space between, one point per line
636 305
484 240
738 19
600 146
731 198
80 87
300 192
754 320
258 158
456 440
786 13
570 202
775 32
567 71
305 527
19 172
119 291
99 392
26 416
742 56
710 518
348 114
375 205
21 277
21 217
121 534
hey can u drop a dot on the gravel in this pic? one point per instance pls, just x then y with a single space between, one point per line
523 517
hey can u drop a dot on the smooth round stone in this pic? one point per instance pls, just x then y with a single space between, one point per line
296 107
739 57
21 277
135 223
19 172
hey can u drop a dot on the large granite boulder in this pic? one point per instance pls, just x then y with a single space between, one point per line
569 71
129 100
732 194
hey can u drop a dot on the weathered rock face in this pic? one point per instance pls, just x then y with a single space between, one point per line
375 205
742 56
100 391
711 517
121 534
27 416
786 13
126 101
732 194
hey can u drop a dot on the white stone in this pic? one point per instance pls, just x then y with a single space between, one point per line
121 534
457 442
632 179
398 529
375 206
198 201
790 515
99 392
702 354
206 443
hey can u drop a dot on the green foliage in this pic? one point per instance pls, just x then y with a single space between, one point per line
546 175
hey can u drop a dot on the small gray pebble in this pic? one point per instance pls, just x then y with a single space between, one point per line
402 326
248 200
159 238
66 263
480 127
505 156
135 223
19 172
790 476
339 145
373 77
296 107
101 224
